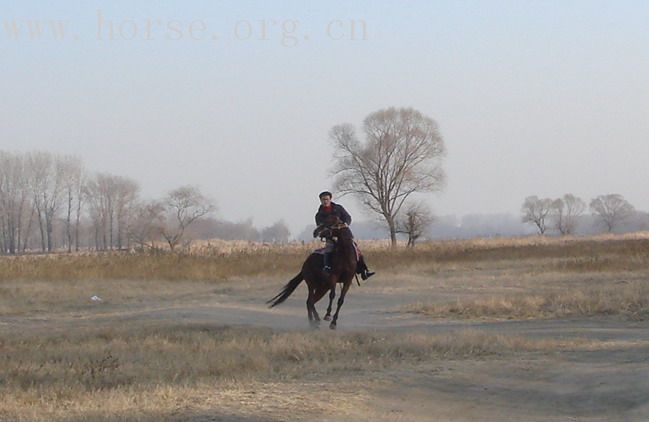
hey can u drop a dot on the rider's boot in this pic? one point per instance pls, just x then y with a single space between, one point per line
327 263
367 274
363 270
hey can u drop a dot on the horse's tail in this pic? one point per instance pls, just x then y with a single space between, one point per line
286 291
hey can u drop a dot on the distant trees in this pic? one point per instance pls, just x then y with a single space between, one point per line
50 202
213 228
15 202
611 209
566 212
276 233
401 155
414 222
243 230
147 224
535 211
32 188
45 180
111 199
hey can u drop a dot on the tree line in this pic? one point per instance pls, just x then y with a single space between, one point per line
52 202
49 201
563 214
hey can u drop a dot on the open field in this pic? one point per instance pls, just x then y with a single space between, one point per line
493 329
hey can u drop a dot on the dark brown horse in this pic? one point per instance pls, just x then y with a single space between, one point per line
319 282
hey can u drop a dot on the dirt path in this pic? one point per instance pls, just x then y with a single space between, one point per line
610 382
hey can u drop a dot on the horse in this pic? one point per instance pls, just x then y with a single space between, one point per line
319 282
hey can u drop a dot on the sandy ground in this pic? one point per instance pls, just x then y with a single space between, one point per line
607 382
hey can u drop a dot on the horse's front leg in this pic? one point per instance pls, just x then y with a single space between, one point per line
341 300
332 296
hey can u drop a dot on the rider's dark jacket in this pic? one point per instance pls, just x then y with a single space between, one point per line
336 210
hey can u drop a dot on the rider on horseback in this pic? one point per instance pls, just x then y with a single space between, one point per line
326 209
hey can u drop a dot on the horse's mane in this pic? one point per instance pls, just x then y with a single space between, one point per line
345 233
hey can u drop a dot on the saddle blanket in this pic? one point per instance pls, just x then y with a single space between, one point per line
329 247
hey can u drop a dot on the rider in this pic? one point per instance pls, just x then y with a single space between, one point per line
327 208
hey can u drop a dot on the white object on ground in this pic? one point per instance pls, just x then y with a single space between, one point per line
95 298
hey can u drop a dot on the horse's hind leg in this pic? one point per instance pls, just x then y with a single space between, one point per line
316 297
314 319
332 296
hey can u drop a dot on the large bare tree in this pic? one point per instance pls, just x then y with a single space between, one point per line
401 155
566 212
184 206
414 222
535 211
611 209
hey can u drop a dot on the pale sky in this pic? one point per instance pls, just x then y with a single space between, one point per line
532 97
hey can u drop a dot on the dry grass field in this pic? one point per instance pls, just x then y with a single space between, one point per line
487 329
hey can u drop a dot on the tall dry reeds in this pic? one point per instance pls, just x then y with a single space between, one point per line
225 260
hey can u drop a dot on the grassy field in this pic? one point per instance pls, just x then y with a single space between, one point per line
630 300
47 376
152 369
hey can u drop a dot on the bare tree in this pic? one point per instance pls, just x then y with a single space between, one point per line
99 194
276 233
147 224
535 211
80 190
611 209
15 201
38 168
184 206
414 222
126 193
110 198
72 173
95 199
566 212
46 182
401 155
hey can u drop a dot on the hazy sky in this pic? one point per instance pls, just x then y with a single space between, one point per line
532 97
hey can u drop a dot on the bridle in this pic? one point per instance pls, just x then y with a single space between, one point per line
338 226
327 231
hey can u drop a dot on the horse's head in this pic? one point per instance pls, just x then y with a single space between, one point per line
338 228
332 226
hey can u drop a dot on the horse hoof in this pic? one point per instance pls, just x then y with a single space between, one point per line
332 325
327 317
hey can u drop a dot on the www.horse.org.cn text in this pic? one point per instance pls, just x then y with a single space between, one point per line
286 32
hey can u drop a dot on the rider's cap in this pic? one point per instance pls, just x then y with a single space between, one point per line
325 193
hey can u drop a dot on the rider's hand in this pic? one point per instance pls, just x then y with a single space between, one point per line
315 232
